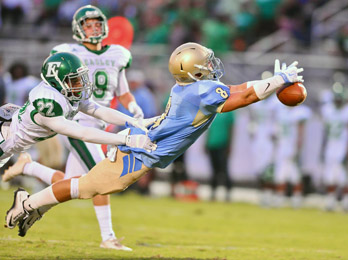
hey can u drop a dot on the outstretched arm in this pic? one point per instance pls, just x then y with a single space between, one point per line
72 129
113 116
253 91
106 114
238 99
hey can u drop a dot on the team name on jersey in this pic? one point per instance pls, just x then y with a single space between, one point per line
99 62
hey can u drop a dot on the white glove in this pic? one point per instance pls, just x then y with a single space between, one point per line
289 74
143 123
149 121
140 141
134 108
7 111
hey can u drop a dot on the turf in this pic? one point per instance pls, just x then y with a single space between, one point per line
168 229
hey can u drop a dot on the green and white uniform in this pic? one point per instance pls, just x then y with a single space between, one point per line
107 72
24 131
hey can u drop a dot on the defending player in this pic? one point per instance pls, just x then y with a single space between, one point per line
64 91
291 123
335 116
262 146
194 102
107 66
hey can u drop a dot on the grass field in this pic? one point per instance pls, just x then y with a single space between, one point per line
168 229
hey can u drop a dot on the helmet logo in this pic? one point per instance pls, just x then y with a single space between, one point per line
52 68
92 13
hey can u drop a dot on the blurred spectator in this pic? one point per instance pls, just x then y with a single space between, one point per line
182 33
159 31
66 11
142 94
217 33
295 17
267 12
2 84
49 13
2 91
13 11
179 178
19 84
218 145
245 21
342 40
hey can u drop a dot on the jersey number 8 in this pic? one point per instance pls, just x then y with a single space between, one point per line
222 92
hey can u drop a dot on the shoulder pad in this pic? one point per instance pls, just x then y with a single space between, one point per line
48 107
65 47
125 54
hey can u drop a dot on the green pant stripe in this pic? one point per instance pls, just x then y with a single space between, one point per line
83 152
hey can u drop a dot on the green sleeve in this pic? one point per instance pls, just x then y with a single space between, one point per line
48 107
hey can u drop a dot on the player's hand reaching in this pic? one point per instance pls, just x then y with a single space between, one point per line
135 109
140 141
289 74
150 121
143 123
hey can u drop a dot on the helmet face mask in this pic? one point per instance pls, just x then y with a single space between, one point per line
192 62
214 66
67 73
78 86
80 19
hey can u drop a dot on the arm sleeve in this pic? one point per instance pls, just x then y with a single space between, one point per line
106 114
264 88
72 129
122 86
213 97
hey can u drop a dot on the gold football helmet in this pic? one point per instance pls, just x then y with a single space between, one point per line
192 62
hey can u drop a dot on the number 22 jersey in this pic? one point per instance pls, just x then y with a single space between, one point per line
46 101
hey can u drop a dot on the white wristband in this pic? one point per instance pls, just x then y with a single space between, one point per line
264 88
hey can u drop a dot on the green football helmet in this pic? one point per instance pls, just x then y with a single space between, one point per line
80 16
66 72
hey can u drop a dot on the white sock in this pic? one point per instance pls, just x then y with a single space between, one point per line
104 218
39 199
40 171
74 188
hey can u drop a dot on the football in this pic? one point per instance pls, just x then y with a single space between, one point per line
292 95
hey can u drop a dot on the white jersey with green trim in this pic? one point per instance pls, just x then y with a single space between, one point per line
336 121
48 102
104 69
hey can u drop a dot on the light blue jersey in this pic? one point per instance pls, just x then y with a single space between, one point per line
190 111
